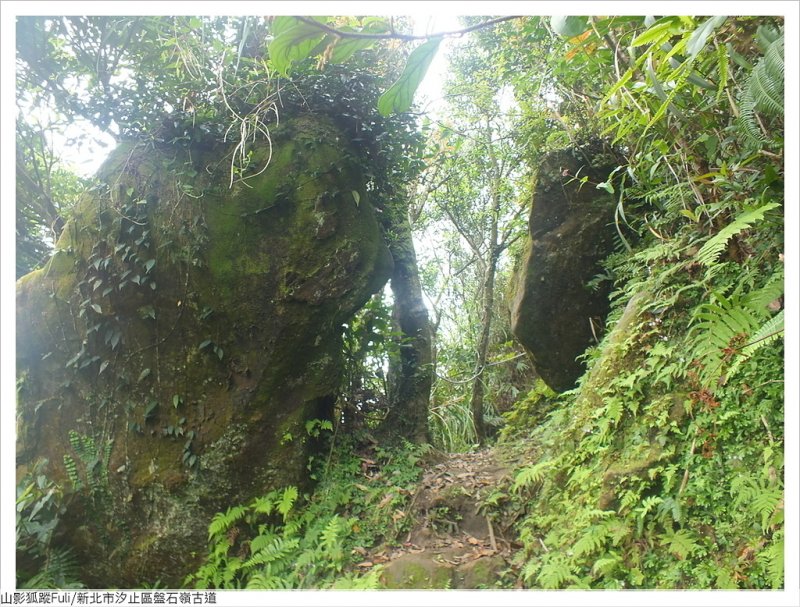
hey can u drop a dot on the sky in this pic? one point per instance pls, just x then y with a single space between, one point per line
445 19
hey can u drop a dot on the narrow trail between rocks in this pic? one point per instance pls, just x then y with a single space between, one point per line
453 543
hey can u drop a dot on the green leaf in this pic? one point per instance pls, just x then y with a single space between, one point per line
294 41
97 308
344 48
356 197
681 543
103 366
149 265
697 41
287 501
712 249
151 409
401 94
143 374
568 27
662 29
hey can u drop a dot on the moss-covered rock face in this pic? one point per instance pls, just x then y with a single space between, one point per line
571 229
172 351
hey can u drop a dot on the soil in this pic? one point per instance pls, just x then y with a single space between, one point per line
453 542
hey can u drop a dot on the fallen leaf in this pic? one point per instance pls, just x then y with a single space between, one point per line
365 564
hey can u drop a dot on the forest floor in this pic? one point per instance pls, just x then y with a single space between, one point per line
452 543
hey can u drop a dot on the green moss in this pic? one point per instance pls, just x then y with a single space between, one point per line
480 573
418 572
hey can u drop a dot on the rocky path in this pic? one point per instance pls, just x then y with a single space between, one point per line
452 544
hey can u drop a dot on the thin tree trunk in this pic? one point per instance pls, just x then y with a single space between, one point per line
490 270
410 368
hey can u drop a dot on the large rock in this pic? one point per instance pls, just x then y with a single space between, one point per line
571 229
173 349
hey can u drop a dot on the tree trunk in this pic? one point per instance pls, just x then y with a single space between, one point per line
478 386
410 367
489 272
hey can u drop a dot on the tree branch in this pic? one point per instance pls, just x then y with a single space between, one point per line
392 35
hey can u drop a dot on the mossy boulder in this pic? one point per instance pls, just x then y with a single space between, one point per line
417 571
555 314
174 347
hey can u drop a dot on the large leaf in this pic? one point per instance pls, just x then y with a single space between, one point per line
697 41
401 94
344 48
294 41
568 27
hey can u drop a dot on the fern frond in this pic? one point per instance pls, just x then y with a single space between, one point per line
763 91
681 543
591 541
287 501
330 535
531 475
277 550
769 332
370 581
222 521
765 504
712 249
772 559
606 565
260 542
60 570
263 505
554 574
724 68
265 580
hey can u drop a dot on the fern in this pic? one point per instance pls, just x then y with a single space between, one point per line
60 570
763 91
606 565
287 501
591 542
681 543
766 334
330 536
370 581
532 475
732 329
769 332
223 521
265 580
277 550
263 504
260 542
765 504
554 574
712 249
72 472
772 559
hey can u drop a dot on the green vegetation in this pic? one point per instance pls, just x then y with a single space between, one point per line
308 407
282 540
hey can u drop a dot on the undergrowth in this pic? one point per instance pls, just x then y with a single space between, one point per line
664 467
290 541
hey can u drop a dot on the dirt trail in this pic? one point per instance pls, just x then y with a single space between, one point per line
452 544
